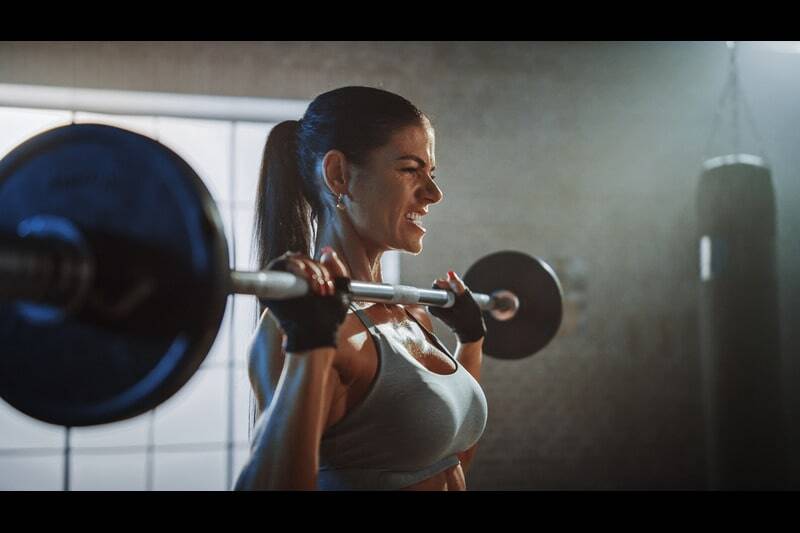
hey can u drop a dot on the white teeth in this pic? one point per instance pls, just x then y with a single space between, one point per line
414 216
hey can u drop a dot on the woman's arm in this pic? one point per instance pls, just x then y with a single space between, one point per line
294 394
285 447
470 355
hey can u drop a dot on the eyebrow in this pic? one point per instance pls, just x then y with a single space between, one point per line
415 158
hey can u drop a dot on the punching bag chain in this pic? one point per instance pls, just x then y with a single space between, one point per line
732 92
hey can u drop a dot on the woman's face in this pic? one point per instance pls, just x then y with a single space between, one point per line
393 189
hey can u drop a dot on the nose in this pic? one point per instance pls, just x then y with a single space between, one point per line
430 191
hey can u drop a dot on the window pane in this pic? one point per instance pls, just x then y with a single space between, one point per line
32 473
108 472
243 233
190 470
18 430
197 412
18 124
138 124
131 432
218 354
205 145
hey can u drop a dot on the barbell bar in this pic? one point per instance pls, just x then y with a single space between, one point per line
45 271
115 276
281 285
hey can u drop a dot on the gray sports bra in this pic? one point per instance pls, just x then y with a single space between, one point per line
408 427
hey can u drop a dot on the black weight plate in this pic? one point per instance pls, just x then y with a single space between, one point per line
540 297
161 282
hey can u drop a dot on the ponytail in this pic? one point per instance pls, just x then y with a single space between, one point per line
282 217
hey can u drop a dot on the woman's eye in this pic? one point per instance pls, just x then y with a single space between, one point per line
414 171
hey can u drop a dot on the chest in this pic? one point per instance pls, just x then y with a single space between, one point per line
402 332
359 353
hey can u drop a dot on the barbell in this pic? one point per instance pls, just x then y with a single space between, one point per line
114 277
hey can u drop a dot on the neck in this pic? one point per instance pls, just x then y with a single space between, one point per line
362 258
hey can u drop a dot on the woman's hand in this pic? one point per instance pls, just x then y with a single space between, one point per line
312 321
465 317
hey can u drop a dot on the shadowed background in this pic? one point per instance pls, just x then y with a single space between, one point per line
584 154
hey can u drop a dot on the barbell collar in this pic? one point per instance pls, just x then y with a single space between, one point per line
399 294
268 284
44 272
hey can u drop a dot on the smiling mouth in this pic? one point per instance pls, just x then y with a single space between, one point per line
416 220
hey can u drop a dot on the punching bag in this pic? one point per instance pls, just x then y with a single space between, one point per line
739 325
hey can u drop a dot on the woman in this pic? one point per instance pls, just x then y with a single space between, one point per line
357 395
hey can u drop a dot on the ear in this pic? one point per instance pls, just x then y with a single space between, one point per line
335 171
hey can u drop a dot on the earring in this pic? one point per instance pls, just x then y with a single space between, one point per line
340 202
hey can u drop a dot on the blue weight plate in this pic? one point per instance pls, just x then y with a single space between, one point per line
161 275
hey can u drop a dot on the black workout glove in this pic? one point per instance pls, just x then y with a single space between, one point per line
465 318
310 321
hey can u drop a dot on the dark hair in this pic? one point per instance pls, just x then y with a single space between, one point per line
291 194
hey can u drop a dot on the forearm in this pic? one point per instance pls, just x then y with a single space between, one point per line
285 447
470 356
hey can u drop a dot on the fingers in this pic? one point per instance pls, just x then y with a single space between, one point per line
452 281
300 266
442 284
316 275
319 275
333 262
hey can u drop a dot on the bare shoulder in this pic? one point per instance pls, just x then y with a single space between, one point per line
267 356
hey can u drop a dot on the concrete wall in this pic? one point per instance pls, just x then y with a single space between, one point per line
584 154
